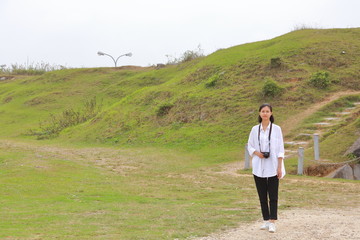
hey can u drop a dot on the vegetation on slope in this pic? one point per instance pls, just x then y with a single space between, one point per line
207 102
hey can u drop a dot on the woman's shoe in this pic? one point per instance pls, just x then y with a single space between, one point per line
265 225
272 227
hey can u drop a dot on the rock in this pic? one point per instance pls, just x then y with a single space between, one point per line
160 65
357 171
354 149
3 78
345 172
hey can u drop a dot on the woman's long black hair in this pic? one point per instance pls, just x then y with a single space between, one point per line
261 107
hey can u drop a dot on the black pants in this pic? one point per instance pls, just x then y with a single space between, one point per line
268 186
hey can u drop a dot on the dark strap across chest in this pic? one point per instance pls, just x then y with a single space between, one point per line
269 135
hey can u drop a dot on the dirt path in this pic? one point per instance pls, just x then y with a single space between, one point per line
296 119
301 224
120 161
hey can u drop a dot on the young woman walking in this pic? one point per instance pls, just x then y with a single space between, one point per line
266 146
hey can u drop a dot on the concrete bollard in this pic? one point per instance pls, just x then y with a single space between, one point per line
247 158
300 170
316 147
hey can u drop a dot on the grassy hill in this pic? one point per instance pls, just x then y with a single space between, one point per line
204 103
138 153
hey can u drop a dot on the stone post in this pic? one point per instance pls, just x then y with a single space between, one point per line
316 147
247 158
300 170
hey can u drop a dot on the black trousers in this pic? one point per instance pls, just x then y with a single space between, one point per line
268 187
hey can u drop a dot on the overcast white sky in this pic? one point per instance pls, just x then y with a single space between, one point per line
71 32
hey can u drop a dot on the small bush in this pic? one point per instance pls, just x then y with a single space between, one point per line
69 117
304 26
211 82
30 69
186 56
164 109
320 80
271 88
190 55
275 62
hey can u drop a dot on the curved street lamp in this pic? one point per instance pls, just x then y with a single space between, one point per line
115 61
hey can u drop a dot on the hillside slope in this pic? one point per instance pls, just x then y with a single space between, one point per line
205 103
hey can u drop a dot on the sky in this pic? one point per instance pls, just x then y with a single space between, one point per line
71 32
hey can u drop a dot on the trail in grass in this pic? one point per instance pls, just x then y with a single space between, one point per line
108 158
293 121
300 224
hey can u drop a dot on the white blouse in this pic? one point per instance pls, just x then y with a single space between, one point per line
266 167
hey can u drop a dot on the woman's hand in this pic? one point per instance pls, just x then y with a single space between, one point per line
279 168
259 154
279 172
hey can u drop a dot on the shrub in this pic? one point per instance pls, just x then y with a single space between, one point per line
275 63
69 117
211 82
164 109
186 56
191 54
320 79
304 26
30 69
271 88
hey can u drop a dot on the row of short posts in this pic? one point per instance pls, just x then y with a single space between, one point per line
300 169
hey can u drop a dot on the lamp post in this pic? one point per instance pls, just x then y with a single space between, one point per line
115 61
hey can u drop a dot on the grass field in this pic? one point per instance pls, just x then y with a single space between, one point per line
51 192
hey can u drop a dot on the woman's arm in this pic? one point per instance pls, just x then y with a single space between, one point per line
280 154
279 169
252 143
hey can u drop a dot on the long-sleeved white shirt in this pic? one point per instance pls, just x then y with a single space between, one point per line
266 167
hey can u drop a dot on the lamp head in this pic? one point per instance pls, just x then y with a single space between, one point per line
100 53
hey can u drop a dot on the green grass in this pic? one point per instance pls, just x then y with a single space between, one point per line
166 197
132 97
59 192
224 113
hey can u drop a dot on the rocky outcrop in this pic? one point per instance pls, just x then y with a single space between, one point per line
3 78
160 65
357 171
354 149
347 172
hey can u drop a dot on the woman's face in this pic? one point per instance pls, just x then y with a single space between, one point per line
265 113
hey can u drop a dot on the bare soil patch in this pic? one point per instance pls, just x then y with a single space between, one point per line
300 224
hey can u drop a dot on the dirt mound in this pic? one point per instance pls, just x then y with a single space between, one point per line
129 67
320 170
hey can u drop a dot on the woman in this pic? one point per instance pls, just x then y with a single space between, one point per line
266 146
